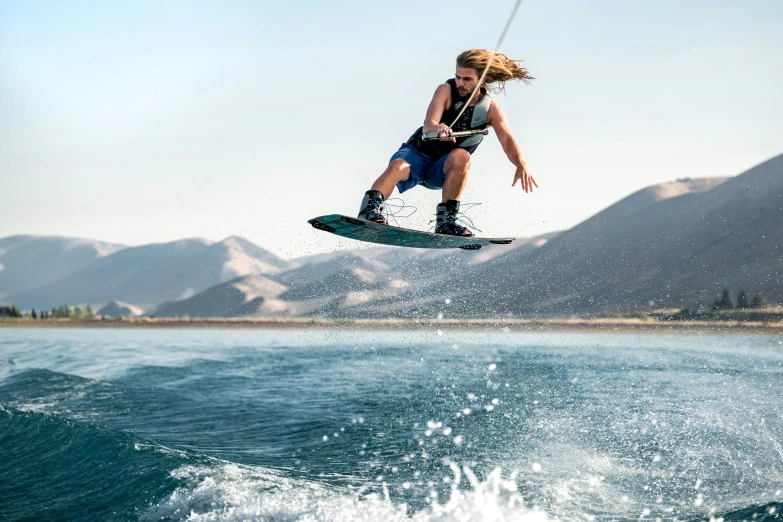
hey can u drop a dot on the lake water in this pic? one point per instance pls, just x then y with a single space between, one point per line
294 425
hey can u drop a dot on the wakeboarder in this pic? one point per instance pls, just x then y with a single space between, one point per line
435 158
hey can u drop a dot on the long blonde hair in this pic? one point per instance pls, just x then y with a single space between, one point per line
502 69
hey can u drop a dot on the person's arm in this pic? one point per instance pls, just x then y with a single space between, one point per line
438 105
497 119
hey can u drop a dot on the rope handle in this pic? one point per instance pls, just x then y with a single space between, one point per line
458 134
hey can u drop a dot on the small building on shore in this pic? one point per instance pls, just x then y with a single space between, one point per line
5 311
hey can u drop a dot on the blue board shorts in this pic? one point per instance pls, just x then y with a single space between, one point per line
424 171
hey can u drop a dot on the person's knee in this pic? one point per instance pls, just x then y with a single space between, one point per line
399 168
459 158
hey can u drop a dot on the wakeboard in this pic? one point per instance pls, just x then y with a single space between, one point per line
361 230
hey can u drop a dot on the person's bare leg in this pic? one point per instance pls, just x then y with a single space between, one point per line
398 170
456 171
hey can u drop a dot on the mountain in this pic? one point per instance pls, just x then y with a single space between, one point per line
243 296
30 261
345 283
150 274
425 280
674 244
671 245
120 309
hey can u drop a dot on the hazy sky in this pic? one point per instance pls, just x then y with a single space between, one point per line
149 121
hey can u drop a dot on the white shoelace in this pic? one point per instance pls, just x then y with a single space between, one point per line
461 218
393 210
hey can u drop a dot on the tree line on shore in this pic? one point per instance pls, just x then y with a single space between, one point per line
725 302
725 308
64 311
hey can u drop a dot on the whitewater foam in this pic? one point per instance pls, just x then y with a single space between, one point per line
231 492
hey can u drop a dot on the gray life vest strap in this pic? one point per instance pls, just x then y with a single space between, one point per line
478 121
481 112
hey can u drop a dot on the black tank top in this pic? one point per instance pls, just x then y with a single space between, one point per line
436 149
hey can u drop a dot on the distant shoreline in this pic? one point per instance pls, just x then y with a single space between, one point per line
604 325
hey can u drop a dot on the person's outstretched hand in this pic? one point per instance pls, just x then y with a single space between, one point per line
524 176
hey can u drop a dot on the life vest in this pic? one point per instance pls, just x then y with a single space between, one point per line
473 118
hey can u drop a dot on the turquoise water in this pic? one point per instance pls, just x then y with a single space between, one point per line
126 424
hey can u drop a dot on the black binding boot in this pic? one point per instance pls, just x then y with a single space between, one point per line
372 206
446 220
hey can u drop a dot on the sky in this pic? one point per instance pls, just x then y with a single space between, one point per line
152 121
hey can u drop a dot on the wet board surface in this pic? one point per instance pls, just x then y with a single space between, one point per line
370 232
